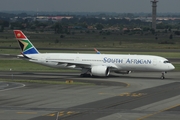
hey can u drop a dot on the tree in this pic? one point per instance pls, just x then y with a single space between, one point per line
58 28
177 32
99 26
171 36
1 28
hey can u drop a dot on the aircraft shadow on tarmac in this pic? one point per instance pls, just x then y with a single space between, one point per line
76 75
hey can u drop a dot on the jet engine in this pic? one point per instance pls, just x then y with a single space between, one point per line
101 71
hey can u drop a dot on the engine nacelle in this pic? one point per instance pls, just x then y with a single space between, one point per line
122 72
101 71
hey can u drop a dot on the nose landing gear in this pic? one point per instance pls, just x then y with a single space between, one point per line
163 75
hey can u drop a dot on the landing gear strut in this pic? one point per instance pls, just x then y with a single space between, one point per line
163 75
85 73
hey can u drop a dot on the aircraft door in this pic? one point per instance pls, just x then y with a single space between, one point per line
155 62
78 59
123 64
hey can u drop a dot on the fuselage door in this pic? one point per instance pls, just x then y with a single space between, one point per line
78 59
154 62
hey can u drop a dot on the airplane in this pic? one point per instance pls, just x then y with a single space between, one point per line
99 65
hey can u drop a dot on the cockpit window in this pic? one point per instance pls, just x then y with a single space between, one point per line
167 62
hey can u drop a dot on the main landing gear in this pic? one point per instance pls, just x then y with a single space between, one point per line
85 73
163 75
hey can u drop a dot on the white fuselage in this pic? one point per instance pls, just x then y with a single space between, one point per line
114 62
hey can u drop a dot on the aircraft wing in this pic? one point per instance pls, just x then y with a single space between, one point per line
81 65
77 64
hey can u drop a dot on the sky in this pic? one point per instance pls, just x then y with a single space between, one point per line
118 6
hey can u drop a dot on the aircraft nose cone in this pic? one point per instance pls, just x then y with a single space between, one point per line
171 67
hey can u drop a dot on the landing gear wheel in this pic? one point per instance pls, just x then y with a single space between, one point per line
163 75
85 75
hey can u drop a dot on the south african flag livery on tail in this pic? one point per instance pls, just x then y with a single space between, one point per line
26 46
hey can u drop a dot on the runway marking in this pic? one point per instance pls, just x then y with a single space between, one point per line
128 85
133 94
70 112
149 115
69 81
51 114
23 85
125 94
62 113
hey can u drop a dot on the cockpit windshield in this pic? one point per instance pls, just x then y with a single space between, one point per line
167 62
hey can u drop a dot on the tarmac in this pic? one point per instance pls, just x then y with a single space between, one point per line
135 96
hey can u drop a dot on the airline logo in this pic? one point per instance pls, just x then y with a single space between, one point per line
24 43
128 61
138 61
112 60
19 34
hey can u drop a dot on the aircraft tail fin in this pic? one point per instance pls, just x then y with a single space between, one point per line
26 46
96 51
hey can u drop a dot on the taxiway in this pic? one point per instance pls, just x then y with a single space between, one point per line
136 96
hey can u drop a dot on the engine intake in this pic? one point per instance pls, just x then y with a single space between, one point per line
101 71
